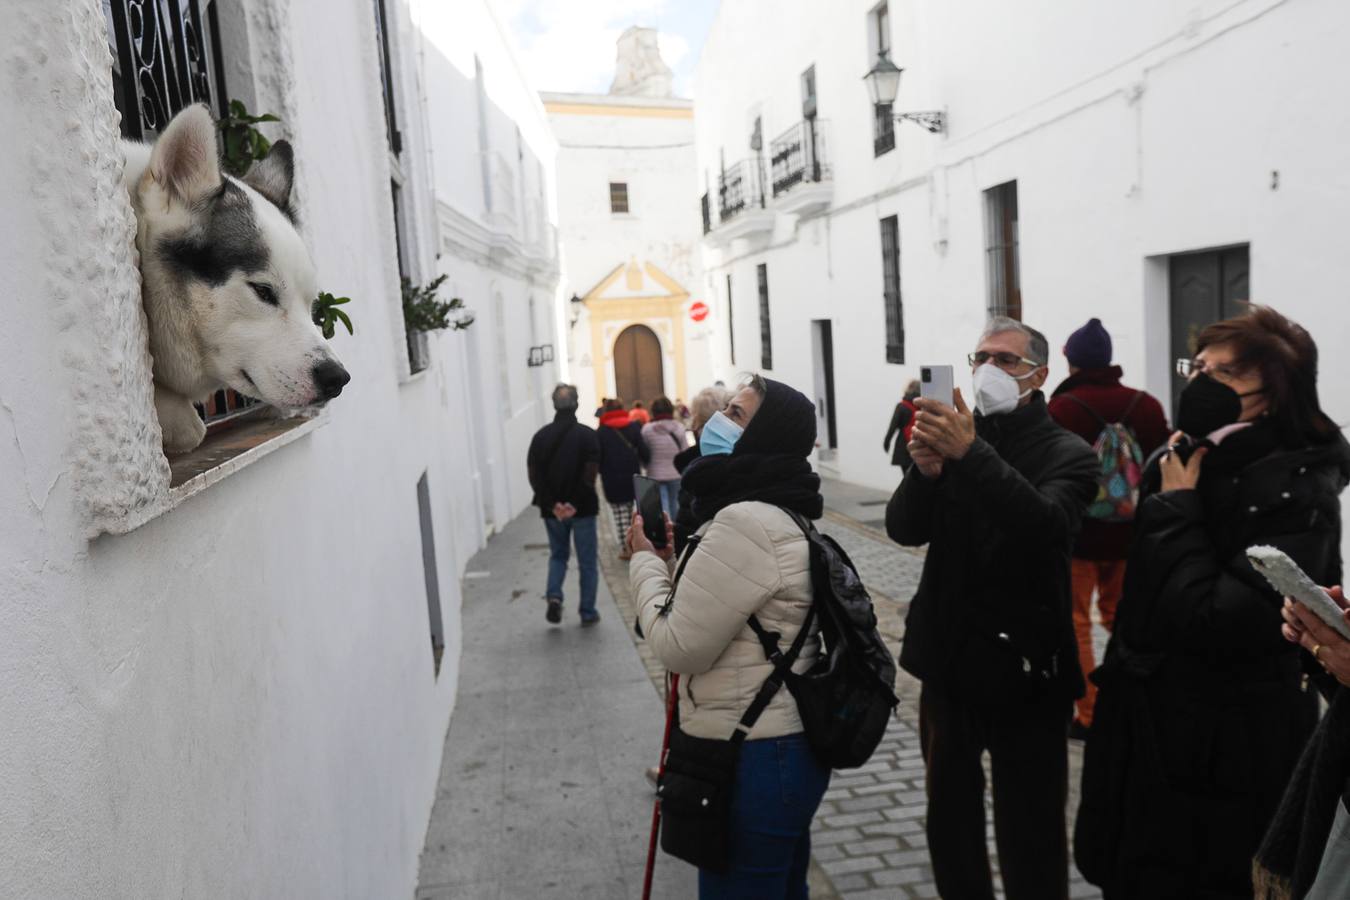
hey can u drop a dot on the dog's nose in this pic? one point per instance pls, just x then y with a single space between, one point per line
329 377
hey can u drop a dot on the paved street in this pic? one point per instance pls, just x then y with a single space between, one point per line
542 794
541 790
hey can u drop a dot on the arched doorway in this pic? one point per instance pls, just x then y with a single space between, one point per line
638 374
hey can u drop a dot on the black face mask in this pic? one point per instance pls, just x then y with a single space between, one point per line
1206 405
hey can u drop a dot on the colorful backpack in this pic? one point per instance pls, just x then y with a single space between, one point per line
1121 465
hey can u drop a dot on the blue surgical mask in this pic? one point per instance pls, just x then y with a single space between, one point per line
719 436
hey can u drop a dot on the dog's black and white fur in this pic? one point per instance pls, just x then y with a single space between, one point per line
227 283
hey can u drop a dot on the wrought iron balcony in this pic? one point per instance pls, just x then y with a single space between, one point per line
798 155
739 187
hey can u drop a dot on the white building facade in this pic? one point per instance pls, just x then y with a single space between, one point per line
230 674
1149 164
630 235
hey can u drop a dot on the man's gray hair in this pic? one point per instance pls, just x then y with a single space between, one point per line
705 403
1038 348
565 398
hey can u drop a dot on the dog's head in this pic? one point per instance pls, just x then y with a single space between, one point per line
229 284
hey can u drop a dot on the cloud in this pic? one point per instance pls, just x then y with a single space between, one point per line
568 45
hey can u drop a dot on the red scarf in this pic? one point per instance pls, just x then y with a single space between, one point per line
616 418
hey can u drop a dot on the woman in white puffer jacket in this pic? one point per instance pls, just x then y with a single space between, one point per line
750 558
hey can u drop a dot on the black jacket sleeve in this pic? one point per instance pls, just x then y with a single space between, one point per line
1203 603
1049 511
537 476
909 515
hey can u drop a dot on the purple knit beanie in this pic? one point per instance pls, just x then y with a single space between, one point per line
1089 347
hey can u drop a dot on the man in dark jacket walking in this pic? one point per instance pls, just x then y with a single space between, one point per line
998 497
563 460
1085 403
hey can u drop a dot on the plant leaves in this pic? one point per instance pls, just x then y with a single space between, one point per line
345 321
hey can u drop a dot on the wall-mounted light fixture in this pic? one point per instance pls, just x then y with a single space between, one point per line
576 310
547 350
883 83
536 357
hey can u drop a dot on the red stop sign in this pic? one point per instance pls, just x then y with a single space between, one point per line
699 311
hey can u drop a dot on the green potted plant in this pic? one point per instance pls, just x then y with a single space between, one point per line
423 312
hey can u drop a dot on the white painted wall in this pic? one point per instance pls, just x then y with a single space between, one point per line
654 155
236 699
1134 130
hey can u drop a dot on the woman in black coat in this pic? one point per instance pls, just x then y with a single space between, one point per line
1203 707
622 455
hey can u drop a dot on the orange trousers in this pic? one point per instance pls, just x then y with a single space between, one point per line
1106 579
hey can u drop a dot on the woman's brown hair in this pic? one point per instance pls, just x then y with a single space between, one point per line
1286 356
662 406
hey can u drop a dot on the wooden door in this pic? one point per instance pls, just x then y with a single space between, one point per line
1204 288
638 372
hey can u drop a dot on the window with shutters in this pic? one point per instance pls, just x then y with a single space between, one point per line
618 196
890 280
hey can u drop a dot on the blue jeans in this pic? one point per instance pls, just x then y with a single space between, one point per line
582 532
670 497
779 786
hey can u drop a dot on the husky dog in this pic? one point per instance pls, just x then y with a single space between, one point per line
227 284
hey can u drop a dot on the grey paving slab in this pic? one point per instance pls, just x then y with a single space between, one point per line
541 793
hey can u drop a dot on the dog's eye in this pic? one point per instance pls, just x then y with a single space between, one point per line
264 292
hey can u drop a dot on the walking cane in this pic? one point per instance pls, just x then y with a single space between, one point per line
671 693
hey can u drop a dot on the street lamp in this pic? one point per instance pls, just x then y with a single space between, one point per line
883 83
576 303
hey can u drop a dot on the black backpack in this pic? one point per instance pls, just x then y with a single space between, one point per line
847 697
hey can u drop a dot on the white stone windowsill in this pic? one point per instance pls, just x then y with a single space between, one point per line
227 453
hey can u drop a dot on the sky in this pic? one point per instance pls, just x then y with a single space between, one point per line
568 45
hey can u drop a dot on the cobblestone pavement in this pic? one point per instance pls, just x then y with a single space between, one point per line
869 833
868 837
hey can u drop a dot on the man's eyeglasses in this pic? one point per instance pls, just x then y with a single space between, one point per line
1002 360
1188 367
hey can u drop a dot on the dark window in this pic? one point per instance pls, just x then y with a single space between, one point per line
707 213
890 286
881 29
618 197
395 192
1000 250
765 336
387 80
433 581
883 129
731 322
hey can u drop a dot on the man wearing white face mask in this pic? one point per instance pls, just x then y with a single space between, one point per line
998 496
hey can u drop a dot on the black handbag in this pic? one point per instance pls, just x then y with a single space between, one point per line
698 780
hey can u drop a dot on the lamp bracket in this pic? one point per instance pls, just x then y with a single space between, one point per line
934 121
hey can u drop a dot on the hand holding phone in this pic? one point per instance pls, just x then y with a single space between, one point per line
649 507
937 383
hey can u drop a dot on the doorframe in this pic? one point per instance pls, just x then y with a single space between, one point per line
663 314
822 365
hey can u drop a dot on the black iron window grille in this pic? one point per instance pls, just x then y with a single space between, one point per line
707 213
166 55
1001 251
765 335
883 129
798 155
890 280
738 187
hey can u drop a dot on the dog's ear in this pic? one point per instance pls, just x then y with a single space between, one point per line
274 175
185 160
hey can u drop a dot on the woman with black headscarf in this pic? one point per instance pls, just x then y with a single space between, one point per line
748 558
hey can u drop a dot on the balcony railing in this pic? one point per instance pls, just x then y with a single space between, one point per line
798 155
707 214
740 186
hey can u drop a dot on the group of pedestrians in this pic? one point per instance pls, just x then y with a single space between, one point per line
1206 773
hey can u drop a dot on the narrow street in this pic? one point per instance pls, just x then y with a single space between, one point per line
542 793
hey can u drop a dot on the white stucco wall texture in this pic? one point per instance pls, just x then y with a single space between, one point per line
1134 131
234 698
